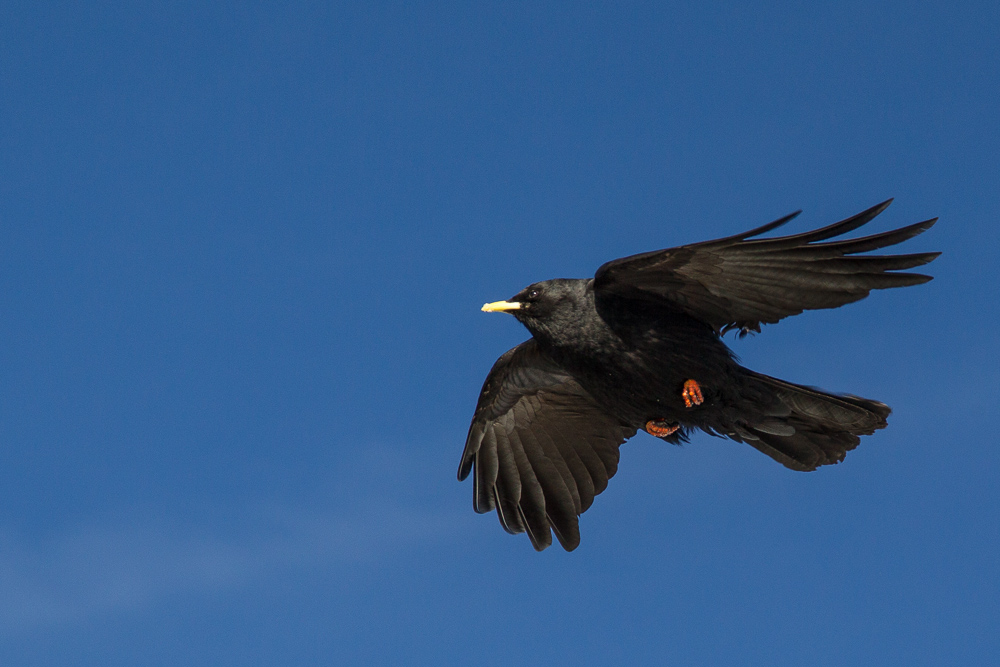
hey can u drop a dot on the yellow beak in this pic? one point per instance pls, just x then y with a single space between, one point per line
501 306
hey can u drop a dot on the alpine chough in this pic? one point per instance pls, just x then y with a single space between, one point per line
639 346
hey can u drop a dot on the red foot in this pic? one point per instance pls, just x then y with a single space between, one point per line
692 394
661 428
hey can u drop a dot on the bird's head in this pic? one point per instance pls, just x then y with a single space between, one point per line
547 307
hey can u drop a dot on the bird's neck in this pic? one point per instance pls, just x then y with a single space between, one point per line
576 332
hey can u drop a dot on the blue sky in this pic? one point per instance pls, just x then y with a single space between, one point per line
243 247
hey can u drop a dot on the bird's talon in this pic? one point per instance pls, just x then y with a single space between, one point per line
692 394
661 428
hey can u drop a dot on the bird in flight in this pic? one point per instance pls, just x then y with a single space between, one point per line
639 347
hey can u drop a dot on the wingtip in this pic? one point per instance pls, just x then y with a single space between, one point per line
875 211
763 229
537 541
878 209
930 257
569 541
570 545
465 465
472 444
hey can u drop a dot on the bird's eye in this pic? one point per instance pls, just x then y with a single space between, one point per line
533 294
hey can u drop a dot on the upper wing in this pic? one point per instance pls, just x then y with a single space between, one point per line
541 448
736 283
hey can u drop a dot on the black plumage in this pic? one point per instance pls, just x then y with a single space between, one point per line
617 353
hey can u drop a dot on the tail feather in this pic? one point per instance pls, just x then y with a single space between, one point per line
815 428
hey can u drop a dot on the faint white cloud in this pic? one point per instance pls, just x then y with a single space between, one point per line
100 568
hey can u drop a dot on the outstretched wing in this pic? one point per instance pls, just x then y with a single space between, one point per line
540 446
740 283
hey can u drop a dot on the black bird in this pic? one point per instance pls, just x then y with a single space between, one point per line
639 346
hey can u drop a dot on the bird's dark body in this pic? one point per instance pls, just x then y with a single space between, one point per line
634 358
621 352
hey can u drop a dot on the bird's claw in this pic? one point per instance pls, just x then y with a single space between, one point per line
661 428
692 394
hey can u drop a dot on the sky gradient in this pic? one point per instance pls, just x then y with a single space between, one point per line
243 248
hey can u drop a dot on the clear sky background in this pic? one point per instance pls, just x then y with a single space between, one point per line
243 248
